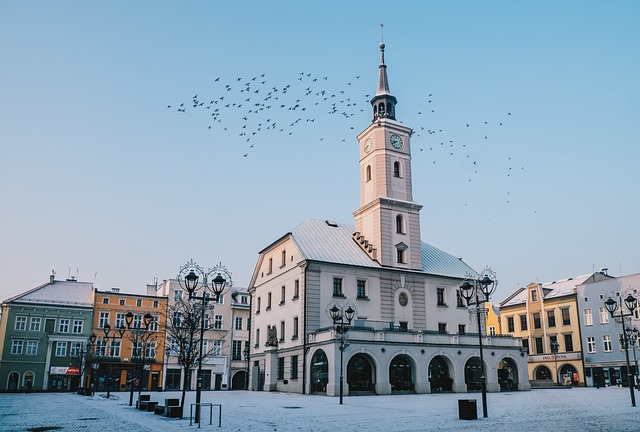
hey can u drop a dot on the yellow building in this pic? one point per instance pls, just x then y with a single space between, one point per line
493 320
546 317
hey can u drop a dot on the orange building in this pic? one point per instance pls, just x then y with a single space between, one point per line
130 340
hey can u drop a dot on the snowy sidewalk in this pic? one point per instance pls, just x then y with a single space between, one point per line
577 409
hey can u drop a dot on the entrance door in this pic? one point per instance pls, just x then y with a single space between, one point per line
154 381
319 372
360 375
12 385
401 374
472 374
439 375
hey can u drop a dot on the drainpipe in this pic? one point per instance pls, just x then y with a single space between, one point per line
304 334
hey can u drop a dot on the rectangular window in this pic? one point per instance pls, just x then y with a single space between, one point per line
150 350
270 266
236 350
268 301
283 292
63 326
523 322
32 347
114 348
459 299
284 258
440 297
591 344
400 256
104 319
123 302
492 331
510 325
280 368
61 349
137 321
606 343
525 345
337 287
566 319
155 304
139 303
296 289
217 347
534 295
462 328
177 295
119 321
294 367
34 324
442 327
176 319
154 324
217 323
101 348
295 328
105 300
257 338
604 315
568 343
238 323
588 317
551 318
21 323
205 348
136 349
78 325
282 327
16 346
539 345
537 323
361 289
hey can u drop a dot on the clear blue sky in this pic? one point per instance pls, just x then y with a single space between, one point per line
99 175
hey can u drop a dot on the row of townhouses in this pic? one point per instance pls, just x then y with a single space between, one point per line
335 308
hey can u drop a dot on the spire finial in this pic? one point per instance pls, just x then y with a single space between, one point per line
381 33
383 102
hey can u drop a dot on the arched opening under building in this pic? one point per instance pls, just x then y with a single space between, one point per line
361 375
472 374
401 374
319 372
508 375
239 380
542 373
12 383
439 377
569 375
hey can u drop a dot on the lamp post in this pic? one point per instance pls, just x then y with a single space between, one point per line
120 331
339 315
554 350
136 329
480 289
246 358
632 337
188 278
631 303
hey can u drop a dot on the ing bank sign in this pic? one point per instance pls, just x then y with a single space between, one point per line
551 357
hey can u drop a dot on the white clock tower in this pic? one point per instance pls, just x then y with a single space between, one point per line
388 221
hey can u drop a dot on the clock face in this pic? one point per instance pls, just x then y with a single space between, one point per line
396 141
367 145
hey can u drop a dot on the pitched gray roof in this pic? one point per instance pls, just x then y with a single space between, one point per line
68 293
550 290
331 242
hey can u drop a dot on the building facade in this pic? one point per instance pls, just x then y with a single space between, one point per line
139 354
604 356
546 317
411 331
40 332
226 338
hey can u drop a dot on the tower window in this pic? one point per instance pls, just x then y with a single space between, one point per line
368 172
396 169
401 258
399 224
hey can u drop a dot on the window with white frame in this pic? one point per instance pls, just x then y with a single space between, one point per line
150 351
139 302
591 344
588 317
296 289
154 324
238 323
177 319
120 320
220 299
207 321
136 349
217 323
492 331
337 287
177 295
295 328
104 319
217 347
114 348
61 349
137 321
63 326
101 348
606 343
17 346
604 315
78 325
21 323
236 350
34 324
32 347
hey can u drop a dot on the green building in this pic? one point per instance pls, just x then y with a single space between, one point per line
42 334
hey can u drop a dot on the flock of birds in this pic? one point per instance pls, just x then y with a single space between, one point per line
256 111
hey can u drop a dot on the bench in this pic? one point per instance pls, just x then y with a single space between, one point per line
172 408
142 401
158 409
151 406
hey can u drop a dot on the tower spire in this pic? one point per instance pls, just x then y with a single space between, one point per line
383 102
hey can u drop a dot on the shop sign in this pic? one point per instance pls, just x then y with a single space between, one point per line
551 357
64 370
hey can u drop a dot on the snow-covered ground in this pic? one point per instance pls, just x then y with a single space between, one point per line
577 409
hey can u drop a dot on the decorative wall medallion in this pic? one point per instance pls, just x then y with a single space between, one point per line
403 299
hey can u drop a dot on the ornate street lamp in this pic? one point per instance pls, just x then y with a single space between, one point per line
632 337
631 303
137 330
339 315
120 331
480 289
188 278
554 349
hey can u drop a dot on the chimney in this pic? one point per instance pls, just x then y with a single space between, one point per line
115 290
52 276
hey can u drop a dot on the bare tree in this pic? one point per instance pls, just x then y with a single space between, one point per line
183 329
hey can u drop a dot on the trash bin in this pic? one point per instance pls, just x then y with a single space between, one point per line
467 409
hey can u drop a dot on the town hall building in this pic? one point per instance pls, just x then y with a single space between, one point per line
410 330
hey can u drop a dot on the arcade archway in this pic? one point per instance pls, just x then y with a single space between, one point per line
439 377
401 374
472 374
319 372
508 375
361 374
